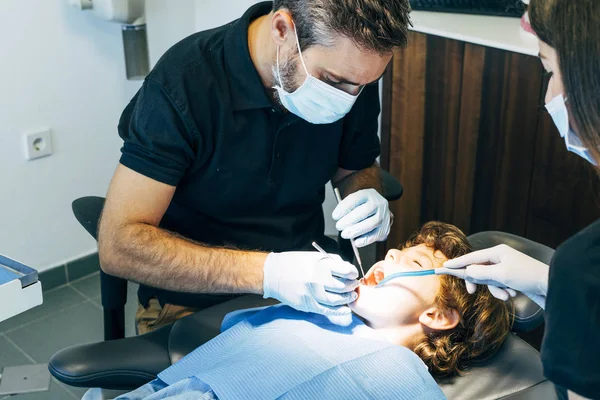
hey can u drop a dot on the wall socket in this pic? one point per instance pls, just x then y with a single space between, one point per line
38 144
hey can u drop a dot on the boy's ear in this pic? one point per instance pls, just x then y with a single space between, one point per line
440 320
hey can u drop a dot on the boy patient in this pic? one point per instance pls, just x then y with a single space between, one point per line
402 334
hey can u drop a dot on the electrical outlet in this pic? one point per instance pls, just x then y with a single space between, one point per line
38 144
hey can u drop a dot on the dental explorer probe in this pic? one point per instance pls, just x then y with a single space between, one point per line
321 250
338 196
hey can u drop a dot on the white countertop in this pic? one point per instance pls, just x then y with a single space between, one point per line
498 32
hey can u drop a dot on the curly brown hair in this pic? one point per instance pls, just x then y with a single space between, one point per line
485 321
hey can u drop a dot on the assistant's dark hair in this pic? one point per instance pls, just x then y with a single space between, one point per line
374 25
572 28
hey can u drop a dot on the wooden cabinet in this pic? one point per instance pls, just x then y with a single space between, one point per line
465 131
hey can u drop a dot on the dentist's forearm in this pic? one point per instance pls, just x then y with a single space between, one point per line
368 178
152 256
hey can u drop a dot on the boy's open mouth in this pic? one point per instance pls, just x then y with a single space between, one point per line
374 276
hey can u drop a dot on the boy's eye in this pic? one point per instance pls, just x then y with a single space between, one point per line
418 263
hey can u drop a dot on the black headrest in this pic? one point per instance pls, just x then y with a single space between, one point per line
515 372
528 315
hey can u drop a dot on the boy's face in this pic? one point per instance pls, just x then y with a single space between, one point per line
400 301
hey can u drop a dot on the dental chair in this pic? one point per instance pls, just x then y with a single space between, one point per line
119 363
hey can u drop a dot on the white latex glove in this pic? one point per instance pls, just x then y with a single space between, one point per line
364 217
506 268
312 282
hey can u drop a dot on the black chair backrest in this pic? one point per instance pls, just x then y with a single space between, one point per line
533 249
87 210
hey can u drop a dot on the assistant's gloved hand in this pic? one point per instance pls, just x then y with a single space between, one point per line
364 217
312 282
507 268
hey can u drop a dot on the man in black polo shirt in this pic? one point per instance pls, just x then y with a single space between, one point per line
227 149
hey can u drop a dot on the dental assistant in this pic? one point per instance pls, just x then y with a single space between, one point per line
569 288
227 150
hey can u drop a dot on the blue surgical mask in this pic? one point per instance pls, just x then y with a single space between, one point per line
314 101
557 109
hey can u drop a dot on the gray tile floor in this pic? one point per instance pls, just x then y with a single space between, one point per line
71 314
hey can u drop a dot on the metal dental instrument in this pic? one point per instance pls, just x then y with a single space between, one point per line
338 196
436 271
320 249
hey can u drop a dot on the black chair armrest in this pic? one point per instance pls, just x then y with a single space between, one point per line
392 188
124 364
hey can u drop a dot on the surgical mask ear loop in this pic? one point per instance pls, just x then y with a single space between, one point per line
278 74
300 51
301 59
570 132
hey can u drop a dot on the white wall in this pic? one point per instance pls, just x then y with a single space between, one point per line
64 69
213 13
61 69
168 22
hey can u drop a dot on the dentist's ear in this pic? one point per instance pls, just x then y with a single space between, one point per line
438 319
282 28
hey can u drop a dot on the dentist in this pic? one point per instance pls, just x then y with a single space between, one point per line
227 149
569 288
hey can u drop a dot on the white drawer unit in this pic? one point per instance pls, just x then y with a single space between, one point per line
20 289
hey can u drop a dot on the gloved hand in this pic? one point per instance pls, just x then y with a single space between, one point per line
312 282
364 217
507 268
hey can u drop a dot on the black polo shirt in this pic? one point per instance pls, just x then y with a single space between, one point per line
248 174
571 346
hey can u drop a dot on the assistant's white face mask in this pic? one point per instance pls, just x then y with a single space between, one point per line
314 101
557 109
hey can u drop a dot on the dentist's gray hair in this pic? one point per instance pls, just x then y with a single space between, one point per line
374 25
